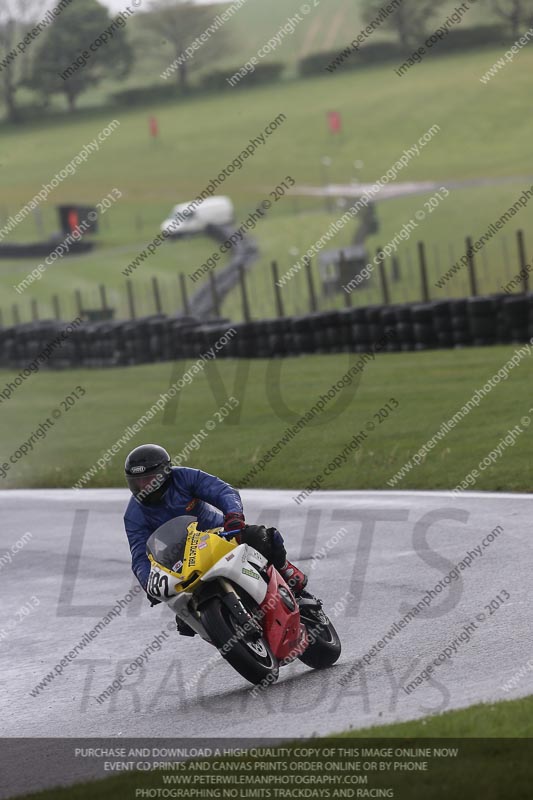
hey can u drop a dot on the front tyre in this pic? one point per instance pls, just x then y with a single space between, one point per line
324 644
248 654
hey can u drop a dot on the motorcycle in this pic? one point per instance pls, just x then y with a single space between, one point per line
234 599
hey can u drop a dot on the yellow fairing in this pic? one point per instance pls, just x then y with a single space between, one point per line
202 551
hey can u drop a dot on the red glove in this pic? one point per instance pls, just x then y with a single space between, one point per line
234 521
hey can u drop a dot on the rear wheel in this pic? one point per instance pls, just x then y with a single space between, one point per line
324 644
247 652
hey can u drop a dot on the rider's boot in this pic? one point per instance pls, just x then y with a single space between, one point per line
184 629
294 577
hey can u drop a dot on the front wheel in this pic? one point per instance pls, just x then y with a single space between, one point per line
247 653
324 644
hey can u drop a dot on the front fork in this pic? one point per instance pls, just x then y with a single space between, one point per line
224 590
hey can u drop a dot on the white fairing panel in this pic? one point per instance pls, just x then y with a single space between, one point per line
238 567
162 584
179 606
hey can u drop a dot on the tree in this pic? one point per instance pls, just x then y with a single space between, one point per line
73 57
518 13
409 21
16 17
180 22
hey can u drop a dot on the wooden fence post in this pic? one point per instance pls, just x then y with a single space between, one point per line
383 279
157 296
103 297
277 289
313 305
244 294
523 261
131 299
347 295
423 272
56 307
79 303
471 267
184 296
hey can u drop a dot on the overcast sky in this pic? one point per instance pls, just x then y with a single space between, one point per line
118 5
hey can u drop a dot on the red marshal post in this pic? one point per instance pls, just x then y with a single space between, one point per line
154 127
334 122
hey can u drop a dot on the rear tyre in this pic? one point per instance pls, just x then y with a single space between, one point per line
325 646
249 655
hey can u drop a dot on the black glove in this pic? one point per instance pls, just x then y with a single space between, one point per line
151 599
267 541
277 548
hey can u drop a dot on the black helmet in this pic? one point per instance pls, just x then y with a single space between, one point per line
148 473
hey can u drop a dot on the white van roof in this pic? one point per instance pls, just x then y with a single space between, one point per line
220 200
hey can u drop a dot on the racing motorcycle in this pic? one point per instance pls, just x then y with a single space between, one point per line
229 594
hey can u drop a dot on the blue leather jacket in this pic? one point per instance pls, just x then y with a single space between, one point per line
191 492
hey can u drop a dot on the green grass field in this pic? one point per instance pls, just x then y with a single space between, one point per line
429 388
484 133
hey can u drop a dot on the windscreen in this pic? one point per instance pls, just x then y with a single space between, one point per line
167 544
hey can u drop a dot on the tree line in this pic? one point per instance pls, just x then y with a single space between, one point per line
82 44
412 19
79 43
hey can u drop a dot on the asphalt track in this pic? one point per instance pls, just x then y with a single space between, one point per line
381 553
399 189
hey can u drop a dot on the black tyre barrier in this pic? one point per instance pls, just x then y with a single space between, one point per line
43 249
303 334
483 326
458 308
515 314
499 319
530 324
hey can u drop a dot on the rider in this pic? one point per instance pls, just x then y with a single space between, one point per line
162 492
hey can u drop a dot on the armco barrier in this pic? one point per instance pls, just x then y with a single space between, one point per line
479 321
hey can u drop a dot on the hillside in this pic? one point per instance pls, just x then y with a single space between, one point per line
485 133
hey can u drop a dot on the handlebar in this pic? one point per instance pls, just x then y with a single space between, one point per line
228 534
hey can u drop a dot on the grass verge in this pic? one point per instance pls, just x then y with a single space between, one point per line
493 760
429 387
